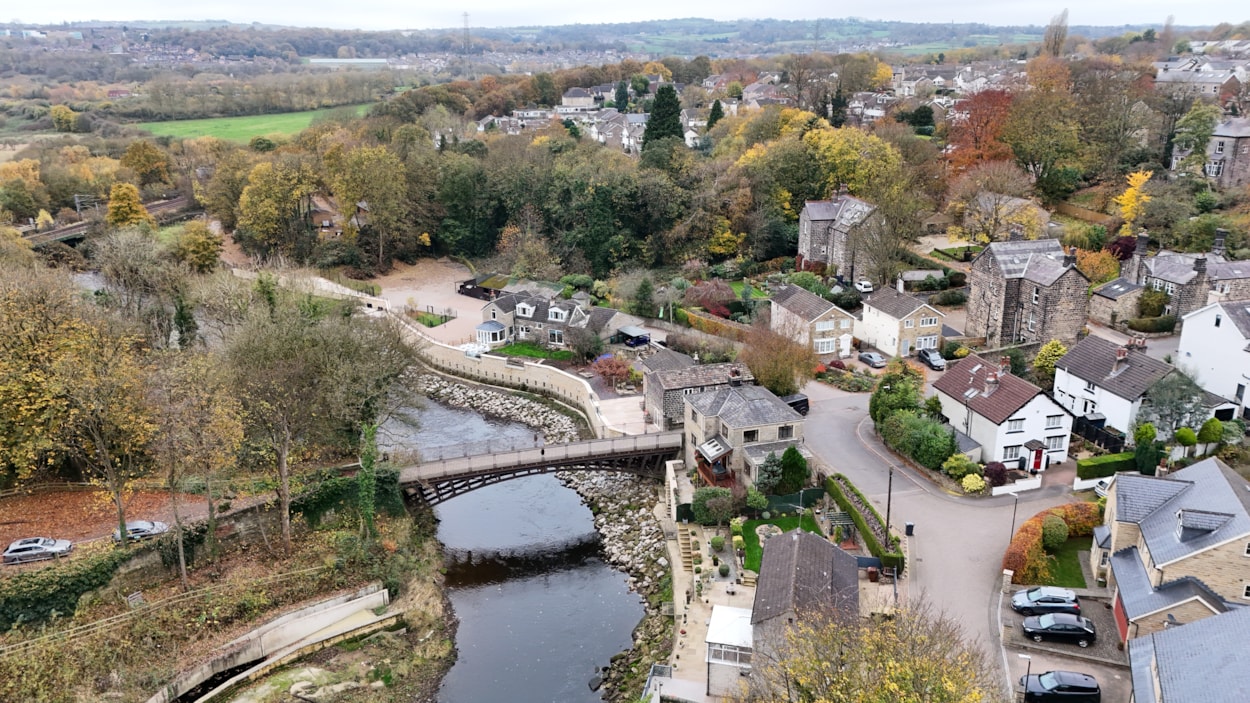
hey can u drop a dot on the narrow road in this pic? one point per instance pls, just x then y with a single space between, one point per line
955 557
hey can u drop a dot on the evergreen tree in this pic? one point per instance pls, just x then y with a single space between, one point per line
769 473
715 115
794 472
644 298
622 96
665 120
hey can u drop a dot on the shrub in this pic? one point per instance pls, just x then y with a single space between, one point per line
962 352
739 542
949 298
766 515
957 279
718 543
1152 302
31 596
1186 437
959 466
1166 323
698 569
850 502
1105 465
755 499
996 473
1212 431
972 483
1025 555
735 525
1054 532
712 506
949 349
724 570
1144 433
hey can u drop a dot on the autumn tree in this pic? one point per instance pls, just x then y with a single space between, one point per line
1098 266
143 281
370 184
199 430
273 207
978 136
1193 132
779 363
199 247
15 250
1042 130
1133 200
147 161
1044 363
612 369
989 199
64 119
126 209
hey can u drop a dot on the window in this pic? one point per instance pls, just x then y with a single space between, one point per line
1219 146
928 322
556 337
1055 443
1054 422
824 325
751 436
1157 283
787 432
1248 549
1089 386
1215 169
1037 292
1245 593
689 391
1015 425
1032 321
1170 287
844 324
555 315
1217 320
525 310
1241 392
1090 406
908 324
826 346
1011 452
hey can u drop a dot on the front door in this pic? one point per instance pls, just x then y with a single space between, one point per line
905 348
1037 459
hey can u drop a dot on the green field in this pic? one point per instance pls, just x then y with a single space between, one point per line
241 129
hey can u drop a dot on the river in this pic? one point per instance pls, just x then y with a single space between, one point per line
539 610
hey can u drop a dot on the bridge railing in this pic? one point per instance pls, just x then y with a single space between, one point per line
556 454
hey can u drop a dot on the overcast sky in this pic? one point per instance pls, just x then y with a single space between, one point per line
394 14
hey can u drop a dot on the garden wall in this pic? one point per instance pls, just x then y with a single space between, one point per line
866 518
1024 484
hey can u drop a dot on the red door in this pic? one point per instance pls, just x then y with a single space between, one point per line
1037 459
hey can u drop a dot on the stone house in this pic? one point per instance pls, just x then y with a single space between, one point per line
804 316
578 98
1026 291
1190 280
1202 661
825 233
730 432
1174 548
530 316
1011 419
898 324
664 390
1215 347
1114 302
1228 153
801 575
1105 382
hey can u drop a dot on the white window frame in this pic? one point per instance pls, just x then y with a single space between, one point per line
1219 146
1089 386
1247 554
555 315
525 310
1015 425
908 324
825 325
1054 422
1055 443
1012 451
825 345
844 324
1245 593
1037 292
928 322
555 337
787 432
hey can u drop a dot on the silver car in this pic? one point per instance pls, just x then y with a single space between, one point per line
873 359
36 548
141 529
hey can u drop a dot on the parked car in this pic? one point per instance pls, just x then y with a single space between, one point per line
1045 599
141 529
932 358
1103 487
639 341
799 402
1061 687
36 548
1060 626
873 359
864 287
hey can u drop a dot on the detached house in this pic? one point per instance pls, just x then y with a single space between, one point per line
1176 548
1105 383
1228 153
1026 291
732 430
802 315
825 233
1215 347
665 390
898 324
525 315
1202 661
1012 419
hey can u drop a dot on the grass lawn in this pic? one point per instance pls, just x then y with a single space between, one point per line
755 292
241 129
533 351
957 253
428 319
1065 570
752 541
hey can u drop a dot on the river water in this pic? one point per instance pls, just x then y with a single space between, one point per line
539 611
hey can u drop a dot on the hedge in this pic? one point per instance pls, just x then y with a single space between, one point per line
1025 555
892 559
1105 465
949 297
1166 323
35 595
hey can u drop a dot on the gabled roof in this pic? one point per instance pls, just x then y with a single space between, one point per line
965 382
1046 270
1237 311
702 375
667 360
744 406
1172 266
1093 358
801 302
801 571
1234 127
1012 257
1138 496
1203 661
844 210
897 305
1140 598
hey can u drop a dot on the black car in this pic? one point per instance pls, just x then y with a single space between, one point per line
1061 687
1045 599
641 340
932 358
1060 626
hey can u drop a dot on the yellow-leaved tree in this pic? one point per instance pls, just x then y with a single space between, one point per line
1133 200
126 209
1098 266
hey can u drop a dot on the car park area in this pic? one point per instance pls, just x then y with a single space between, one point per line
1103 659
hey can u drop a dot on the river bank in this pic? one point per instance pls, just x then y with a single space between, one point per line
623 506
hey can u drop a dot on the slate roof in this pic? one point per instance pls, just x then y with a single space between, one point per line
1044 270
897 305
802 302
1102 536
1012 257
845 210
969 373
667 360
1093 358
1114 290
1238 311
1233 127
1200 661
758 452
1171 266
703 375
801 571
744 406
1212 494
1140 598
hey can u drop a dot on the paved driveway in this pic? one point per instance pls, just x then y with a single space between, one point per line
1117 686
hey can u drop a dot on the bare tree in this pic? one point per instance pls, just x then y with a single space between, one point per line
1056 34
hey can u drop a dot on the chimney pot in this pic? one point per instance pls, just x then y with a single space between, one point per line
1143 238
899 284
1004 366
1200 265
991 382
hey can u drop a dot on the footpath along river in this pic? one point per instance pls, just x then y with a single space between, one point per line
539 610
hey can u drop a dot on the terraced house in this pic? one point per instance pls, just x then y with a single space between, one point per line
1026 291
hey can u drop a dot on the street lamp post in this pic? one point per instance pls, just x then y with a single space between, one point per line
1027 671
1014 506
889 494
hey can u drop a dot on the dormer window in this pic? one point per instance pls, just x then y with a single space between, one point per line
555 315
525 310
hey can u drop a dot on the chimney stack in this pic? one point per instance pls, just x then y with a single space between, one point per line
1200 265
991 383
1218 247
735 377
1143 238
1121 354
1004 366
899 285
1069 259
1015 232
